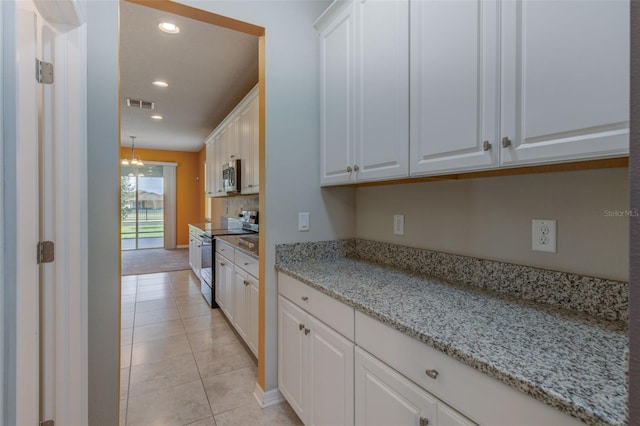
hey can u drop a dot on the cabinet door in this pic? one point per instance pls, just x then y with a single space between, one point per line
337 98
384 397
240 303
233 135
454 86
197 257
221 298
292 360
330 369
210 170
247 131
382 92
228 288
565 80
449 417
218 158
191 250
252 306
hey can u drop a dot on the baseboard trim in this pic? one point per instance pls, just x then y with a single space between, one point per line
183 246
268 398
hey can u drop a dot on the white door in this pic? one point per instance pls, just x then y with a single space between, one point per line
330 369
292 355
383 397
382 92
565 80
227 269
337 103
454 86
50 125
221 299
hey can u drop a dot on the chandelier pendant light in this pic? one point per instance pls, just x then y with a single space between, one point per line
133 161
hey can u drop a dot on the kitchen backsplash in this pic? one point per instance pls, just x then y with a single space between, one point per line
233 205
607 299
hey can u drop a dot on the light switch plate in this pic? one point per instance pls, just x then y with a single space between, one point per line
398 224
303 221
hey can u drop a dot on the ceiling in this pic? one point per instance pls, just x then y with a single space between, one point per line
209 69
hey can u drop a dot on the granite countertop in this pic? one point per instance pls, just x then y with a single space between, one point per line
571 362
237 241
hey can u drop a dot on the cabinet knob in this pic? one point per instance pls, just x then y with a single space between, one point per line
249 186
356 168
349 169
506 142
301 327
486 146
246 263
246 282
305 298
432 373
223 264
424 421
306 331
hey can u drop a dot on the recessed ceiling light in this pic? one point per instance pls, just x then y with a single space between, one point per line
168 27
160 83
156 117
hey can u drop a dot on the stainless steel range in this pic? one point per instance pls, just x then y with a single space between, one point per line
249 221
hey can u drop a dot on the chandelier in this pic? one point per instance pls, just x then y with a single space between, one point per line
133 161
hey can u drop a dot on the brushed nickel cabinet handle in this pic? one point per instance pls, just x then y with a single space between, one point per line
506 142
424 421
432 373
349 169
301 327
486 146
306 331
356 168
246 263
305 298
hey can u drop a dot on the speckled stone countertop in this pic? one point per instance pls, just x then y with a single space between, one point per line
570 361
237 241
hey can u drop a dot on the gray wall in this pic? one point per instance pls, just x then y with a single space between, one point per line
103 216
634 167
491 218
292 141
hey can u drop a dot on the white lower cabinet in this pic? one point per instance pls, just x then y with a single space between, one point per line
245 300
315 367
384 397
224 285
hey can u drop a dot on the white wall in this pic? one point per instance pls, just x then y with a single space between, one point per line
491 218
292 141
103 185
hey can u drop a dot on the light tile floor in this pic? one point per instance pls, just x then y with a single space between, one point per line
181 363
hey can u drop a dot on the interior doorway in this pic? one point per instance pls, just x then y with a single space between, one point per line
142 207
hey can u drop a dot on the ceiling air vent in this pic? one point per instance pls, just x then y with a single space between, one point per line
135 103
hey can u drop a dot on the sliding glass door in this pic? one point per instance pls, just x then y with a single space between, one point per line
142 207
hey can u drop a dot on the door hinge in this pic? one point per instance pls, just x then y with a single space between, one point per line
46 252
44 72
47 423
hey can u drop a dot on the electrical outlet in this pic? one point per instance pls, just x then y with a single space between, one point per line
398 224
303 221
544 235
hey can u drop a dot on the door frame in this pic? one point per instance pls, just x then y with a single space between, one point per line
67 345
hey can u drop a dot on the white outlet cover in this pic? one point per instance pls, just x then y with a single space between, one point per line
544 235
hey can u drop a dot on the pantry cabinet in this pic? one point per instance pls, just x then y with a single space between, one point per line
384 397
364 91
517 83
315 367
237 137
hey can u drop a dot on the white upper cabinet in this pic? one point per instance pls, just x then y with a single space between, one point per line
364 82
248 133
454 89
237 137
565 80
517 82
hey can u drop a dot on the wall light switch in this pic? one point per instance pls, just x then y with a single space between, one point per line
303 221
398 224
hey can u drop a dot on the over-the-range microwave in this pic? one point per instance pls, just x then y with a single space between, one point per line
231 176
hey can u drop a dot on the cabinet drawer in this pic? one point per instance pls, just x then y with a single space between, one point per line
226 250
475 394
335 314
246 262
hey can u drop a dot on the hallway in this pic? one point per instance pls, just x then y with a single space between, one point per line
181 363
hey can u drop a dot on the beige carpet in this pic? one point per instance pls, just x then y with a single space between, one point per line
148 261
